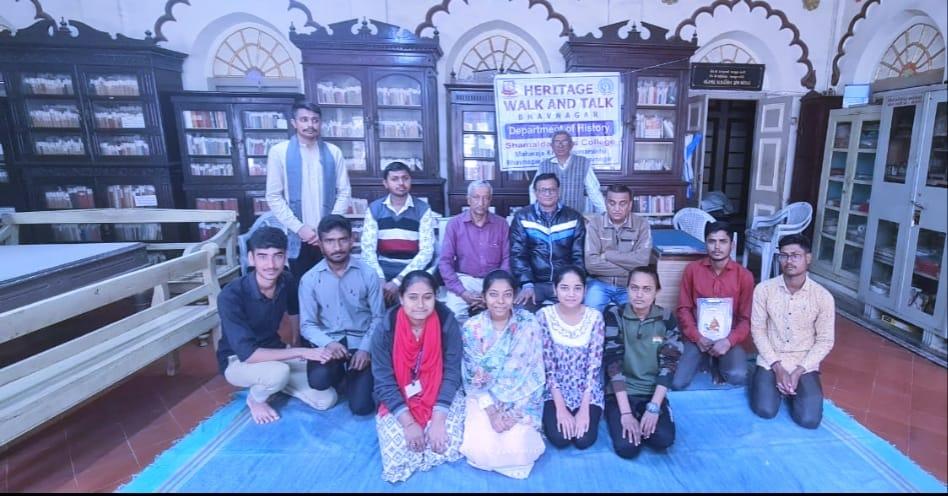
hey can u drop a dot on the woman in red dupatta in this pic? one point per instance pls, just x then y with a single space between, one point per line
416 364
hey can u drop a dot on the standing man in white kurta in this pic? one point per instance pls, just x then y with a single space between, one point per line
306 180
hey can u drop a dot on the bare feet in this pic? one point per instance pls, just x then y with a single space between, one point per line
262 413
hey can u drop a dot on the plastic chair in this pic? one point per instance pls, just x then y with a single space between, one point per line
692 221
265 220
765 232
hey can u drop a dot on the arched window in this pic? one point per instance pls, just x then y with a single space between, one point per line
495 54
920 48
727 53
250 57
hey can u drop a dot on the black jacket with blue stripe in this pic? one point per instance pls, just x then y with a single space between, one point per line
539 243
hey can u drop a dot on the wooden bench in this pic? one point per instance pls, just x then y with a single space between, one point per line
227 265
39 388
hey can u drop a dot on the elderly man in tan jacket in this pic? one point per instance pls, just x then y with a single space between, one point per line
617 241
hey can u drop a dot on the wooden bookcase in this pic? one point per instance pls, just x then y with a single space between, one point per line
379 100
91 132
224 139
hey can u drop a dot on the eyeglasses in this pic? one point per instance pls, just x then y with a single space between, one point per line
562 142
548 191
783 257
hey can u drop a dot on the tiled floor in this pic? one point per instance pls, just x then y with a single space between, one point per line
898 395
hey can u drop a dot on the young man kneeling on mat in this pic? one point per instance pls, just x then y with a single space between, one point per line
250 352
793 326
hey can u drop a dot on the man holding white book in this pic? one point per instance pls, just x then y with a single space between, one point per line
714 310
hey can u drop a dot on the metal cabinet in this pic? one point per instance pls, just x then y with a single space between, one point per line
842 211
904 269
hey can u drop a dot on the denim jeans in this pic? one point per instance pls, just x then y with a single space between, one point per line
600 294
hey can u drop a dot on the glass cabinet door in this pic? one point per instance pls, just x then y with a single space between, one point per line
399 122
900 141
928 255
343 118
262 128
937 176
479 145
883 263
655 124
843 216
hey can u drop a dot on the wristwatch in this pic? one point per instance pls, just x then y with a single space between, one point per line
651 407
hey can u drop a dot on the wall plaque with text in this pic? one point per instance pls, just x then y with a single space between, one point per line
748 77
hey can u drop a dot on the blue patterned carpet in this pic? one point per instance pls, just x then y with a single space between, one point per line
721 446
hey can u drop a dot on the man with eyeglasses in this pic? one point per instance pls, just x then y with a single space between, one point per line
575 173
793 327
544 237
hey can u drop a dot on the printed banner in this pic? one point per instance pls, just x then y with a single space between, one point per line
531 107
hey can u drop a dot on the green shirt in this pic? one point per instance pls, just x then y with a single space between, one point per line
651 348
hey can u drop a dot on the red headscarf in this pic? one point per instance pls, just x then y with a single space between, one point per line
405 352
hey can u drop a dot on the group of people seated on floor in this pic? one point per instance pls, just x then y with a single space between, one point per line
546 326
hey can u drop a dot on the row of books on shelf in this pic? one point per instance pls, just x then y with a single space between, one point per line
48 84
203 119
125 146
356 129
654 204
399 96
93 232
255 167
212 169
338 129
260 205
660 92
55 116
261 146
264 120
216 204
654 126
208 145
400 129
132 196
121 117
61 84
59 145
651 164
70 197
329 93
118 85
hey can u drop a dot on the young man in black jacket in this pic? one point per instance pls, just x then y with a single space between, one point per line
543 237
